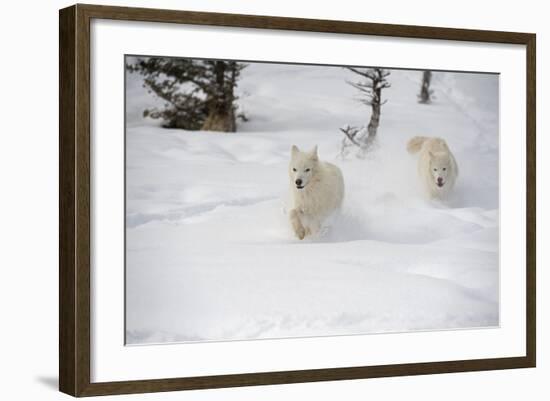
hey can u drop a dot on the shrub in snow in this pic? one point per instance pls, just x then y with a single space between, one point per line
355 137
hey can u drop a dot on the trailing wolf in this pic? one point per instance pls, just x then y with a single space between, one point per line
316 189
437 166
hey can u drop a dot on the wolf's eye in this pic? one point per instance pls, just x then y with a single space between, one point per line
435 169
294 169
444 168
307 170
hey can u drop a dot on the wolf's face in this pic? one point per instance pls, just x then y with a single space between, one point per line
302 166
440 167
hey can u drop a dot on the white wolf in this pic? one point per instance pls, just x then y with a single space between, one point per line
437 166
317 190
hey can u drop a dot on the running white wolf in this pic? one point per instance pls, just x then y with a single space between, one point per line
317 191
437 166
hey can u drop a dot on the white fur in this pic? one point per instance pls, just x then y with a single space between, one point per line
317 191
437 166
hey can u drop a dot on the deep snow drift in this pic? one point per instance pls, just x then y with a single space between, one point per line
210 254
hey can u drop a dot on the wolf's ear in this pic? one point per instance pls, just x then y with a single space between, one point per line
313 154
294 150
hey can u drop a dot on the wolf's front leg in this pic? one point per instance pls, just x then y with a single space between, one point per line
297 226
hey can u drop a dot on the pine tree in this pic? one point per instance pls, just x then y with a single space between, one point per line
198 94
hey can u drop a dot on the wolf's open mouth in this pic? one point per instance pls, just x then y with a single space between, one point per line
302 187
440 184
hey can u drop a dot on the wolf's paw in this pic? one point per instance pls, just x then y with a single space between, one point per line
300 232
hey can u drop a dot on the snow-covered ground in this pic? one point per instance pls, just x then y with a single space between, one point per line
210 255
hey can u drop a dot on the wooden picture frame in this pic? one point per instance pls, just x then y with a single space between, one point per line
74 200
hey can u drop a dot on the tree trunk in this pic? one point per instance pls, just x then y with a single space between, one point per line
374 122
425 91
221 115
220 120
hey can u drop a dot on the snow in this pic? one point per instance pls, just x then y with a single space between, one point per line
210 254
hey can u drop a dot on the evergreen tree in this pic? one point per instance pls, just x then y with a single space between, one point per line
198 94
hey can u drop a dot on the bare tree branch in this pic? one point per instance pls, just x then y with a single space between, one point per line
371 89
351 135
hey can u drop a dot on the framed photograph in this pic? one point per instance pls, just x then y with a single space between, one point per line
250 200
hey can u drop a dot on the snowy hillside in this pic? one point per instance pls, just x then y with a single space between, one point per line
210 254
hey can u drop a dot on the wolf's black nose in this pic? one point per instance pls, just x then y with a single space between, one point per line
439 180
298 182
